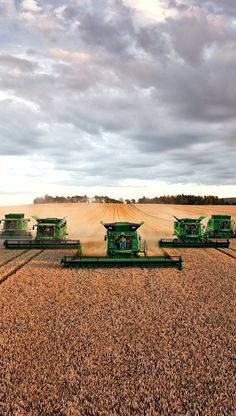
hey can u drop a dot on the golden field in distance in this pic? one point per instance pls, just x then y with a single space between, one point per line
83 220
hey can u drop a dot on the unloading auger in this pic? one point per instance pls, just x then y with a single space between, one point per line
51 234
124 249
189 232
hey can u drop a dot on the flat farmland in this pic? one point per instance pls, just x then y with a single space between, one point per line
117 341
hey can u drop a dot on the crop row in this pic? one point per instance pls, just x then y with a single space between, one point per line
8 255
16 262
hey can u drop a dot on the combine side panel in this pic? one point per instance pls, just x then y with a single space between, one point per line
212 234
42 244
116 262
219 243
179 243
4 235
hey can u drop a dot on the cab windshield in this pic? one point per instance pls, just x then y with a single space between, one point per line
46 231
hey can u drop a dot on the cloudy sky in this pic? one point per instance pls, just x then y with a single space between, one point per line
118 97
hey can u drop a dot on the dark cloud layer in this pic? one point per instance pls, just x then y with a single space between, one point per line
226 7
106 96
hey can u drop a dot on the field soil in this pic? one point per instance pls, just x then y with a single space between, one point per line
117 341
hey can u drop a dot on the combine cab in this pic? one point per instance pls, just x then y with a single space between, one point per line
124 249
15 226
51 234
123 240
220 226
189 233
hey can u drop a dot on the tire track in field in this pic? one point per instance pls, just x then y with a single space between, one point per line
114 213
8 273
227 253
132 213
154 222
117 213
156 217
4 263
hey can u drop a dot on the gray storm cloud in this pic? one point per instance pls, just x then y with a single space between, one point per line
107 97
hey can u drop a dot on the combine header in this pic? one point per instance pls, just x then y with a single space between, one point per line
220 226
190 233
15 226
51 234
124 249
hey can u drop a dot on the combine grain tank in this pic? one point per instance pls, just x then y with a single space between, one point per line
51 234
189 232
124 249
15 226
221 226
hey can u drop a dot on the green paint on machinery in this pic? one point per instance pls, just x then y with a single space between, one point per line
50 228
15 226
220 226
189 232
124 249
123 240
51 234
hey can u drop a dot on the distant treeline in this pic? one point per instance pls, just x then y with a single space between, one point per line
47 199
188 200
169 199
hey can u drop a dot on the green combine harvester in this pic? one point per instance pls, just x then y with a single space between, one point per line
220 226
124 249
189 232
15 226
51 234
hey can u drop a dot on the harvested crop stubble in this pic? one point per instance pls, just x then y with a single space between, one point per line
119 342
233 243
17 261
6 255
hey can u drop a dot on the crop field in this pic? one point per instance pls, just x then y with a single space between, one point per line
117 341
